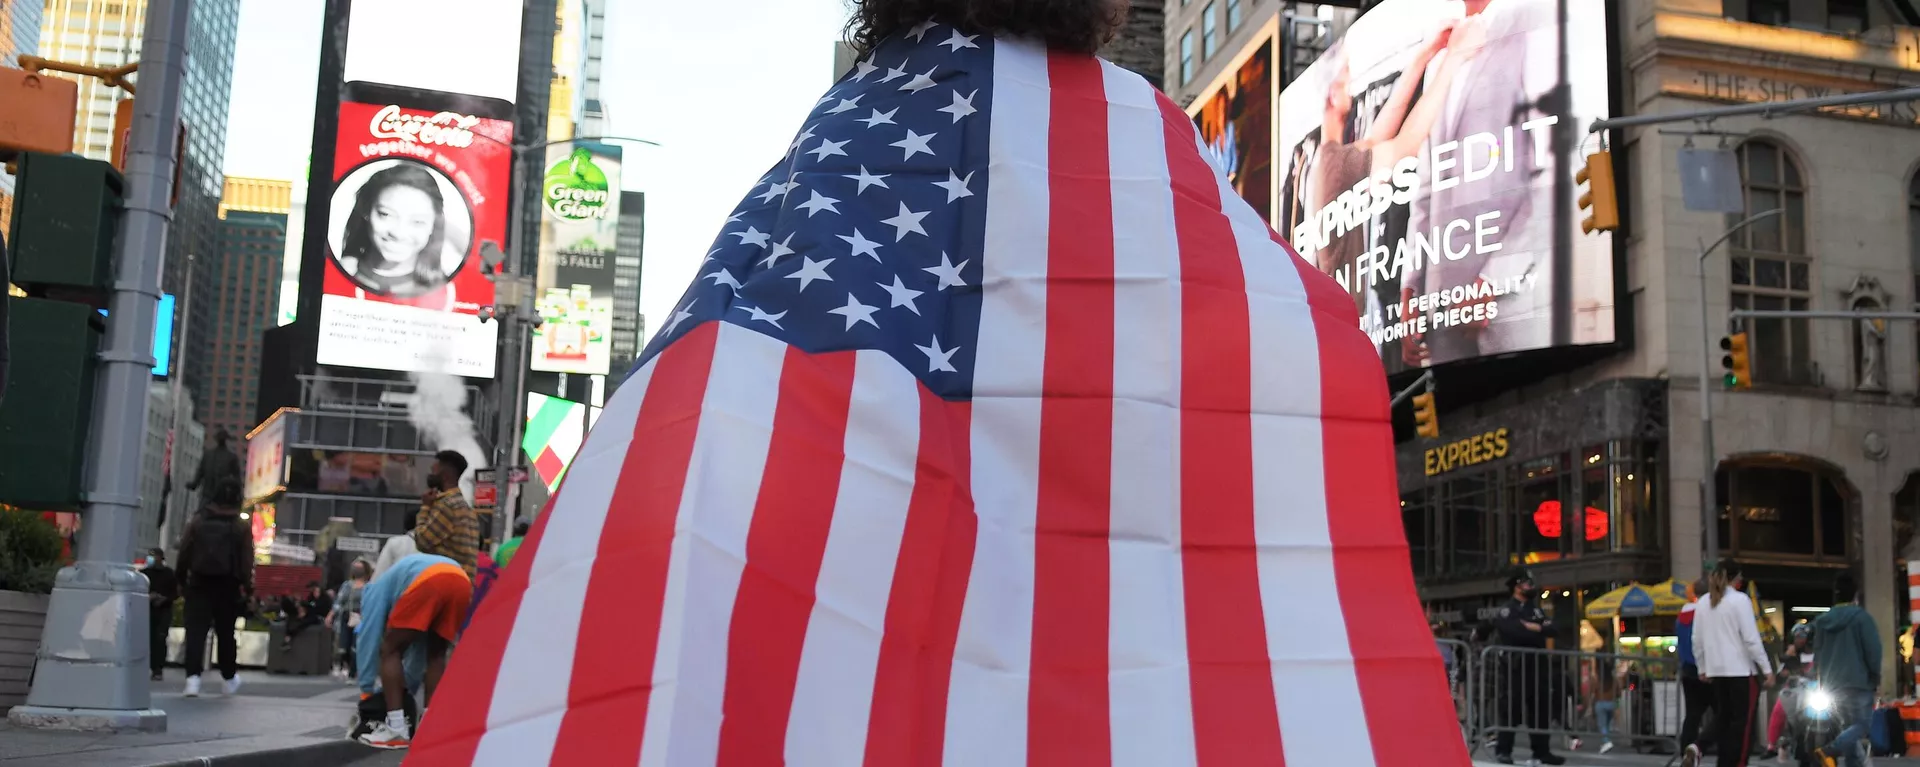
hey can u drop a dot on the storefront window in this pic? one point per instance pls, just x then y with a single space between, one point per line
1783 509
1415 516
1539 516
1470 544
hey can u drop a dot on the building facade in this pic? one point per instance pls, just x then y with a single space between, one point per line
1592 473
629 257
19 35
1141 43
245 299
1202 37
109 34
165 501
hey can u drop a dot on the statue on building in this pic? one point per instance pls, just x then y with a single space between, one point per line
1869 336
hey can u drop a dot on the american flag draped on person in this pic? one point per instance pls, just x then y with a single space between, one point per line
994 431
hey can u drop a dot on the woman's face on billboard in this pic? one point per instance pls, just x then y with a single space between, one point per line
402 223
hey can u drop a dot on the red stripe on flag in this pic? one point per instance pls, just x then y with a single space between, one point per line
908 722
1391 645
1068 717
466 694
619 629
1235 717
785 545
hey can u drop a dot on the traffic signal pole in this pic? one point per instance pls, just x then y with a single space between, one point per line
1710 458
91 671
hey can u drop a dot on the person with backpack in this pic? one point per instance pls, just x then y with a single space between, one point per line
216 563
1847 644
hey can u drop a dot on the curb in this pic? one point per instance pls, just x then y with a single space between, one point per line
322 754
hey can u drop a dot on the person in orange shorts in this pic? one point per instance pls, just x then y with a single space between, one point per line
409 619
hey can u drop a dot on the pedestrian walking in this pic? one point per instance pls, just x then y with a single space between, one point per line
410 616
1521 623
345 617
217 557
1696 695
1848 645
1733 659
448 526
163 589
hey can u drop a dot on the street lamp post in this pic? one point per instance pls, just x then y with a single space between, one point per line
1709 468
514 308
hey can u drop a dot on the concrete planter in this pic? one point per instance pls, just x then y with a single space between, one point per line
22 616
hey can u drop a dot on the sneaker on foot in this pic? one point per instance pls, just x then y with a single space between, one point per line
1550 759
156 677
193 687
382 736
1606 747
1503 758
1690 757
1821 758
232 685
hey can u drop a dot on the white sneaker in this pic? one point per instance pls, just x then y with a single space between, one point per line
1607 746
193 687
1690 757
232 685
382 736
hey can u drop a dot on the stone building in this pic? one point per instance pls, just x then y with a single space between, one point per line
1140 45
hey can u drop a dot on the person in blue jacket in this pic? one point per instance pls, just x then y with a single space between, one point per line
409 618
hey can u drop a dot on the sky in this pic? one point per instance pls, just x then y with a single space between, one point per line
722 84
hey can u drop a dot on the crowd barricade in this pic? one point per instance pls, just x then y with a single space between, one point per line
1460 662
1631 700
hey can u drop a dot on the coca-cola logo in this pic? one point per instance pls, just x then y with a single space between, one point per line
445 129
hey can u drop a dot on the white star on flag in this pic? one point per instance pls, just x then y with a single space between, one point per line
880 118
961 106
920 82
856 312
938 359
907 221
811 270
804 137
755 314
680 316
819 203
958 41
956 186
902 295
915 143
864 67
779 249
829 148
895 74
861 245
753 236
778 190
845 105
948 273
868 179
919 32
724 277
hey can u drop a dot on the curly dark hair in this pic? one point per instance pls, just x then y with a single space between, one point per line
1081 26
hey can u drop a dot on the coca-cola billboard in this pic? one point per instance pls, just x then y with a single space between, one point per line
416 192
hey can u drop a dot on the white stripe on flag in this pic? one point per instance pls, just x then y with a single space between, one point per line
833 694
1313 671
703 575
1150 694
987 699
536 668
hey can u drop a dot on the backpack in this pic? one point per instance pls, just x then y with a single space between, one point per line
215 539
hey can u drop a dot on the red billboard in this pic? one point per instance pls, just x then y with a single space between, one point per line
415 194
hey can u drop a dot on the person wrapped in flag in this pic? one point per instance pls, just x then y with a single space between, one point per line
995 430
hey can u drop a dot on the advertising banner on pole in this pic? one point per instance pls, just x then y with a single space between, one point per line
580 227
1415 166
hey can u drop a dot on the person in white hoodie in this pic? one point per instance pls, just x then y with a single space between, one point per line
1733 659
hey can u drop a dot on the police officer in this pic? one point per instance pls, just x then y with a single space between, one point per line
1521 623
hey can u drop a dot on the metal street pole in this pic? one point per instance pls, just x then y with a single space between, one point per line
91 672
1710 459
1766 110
1563 144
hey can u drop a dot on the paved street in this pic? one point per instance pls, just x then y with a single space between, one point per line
284 721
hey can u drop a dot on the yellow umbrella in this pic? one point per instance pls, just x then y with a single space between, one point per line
1637 601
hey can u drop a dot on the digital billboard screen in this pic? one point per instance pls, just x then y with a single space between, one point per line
419 182
1416 168
580 223
1236 122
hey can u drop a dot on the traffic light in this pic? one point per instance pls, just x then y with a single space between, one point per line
1739 367
1601 203
1426 420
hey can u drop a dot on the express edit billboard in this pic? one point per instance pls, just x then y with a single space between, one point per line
420 181
1416 167
580 223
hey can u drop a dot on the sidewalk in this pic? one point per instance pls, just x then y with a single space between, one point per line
274 720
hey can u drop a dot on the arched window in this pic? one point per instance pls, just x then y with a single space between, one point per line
1783 507
1769 264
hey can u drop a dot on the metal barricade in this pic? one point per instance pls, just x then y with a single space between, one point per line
1632 701
1460 662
